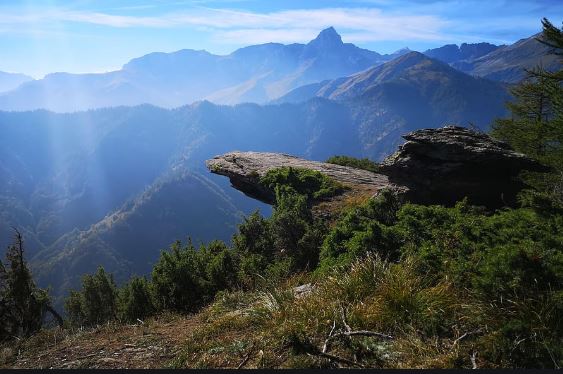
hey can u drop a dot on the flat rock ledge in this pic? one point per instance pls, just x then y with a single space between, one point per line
433 166
244 170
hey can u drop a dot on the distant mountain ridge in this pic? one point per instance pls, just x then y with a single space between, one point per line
505 63
10 81
451 53
256 73
407 93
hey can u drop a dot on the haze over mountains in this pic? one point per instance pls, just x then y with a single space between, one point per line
114 186
258 73
10 81
253 74
505 63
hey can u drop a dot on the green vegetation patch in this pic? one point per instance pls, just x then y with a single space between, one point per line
358 163
313 184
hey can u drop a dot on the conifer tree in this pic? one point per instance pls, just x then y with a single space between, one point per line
536 124
97 301
22 304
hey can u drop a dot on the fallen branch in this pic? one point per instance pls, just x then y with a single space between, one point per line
325 345
336 358
465 336
473 358
348 333
246 358
363 333
343 314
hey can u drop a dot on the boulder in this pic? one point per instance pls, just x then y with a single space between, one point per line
447 164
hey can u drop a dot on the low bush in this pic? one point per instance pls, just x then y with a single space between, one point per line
363 163
311 183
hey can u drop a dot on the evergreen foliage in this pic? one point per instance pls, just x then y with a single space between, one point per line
135 300
22 304
536 125
96 302
311 183
358 163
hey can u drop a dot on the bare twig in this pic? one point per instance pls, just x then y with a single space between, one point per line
336 359
325 345
465 335
244 361
343 314
363 333
246 357
473 358
347 333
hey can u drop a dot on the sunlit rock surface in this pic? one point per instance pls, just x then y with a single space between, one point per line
245 169
434 166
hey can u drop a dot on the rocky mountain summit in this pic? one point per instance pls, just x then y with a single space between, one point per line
434 166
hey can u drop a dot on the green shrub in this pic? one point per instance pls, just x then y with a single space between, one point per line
368 228
96 302
363 163
311 183
185 278
136 300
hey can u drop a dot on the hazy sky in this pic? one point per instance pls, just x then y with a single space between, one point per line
40 37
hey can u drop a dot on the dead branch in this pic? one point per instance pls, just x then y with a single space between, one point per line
473 358
343 314
244 361
325 345
465 335
246 357
363 333
336 359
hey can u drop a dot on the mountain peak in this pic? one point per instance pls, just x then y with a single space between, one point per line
328 36
412 57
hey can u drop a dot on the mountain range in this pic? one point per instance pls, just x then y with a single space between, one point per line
10 81
504 63
256 73
259 73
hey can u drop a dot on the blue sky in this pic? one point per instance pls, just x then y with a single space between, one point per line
40 37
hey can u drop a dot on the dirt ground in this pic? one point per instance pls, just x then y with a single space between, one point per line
151 344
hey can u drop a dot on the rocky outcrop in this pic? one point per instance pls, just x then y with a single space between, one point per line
245 169
434 166
446 164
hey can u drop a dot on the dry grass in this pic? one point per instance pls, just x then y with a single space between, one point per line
375 314
149 345
276 329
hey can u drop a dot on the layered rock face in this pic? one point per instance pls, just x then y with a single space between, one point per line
434 166
245 169
447 164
